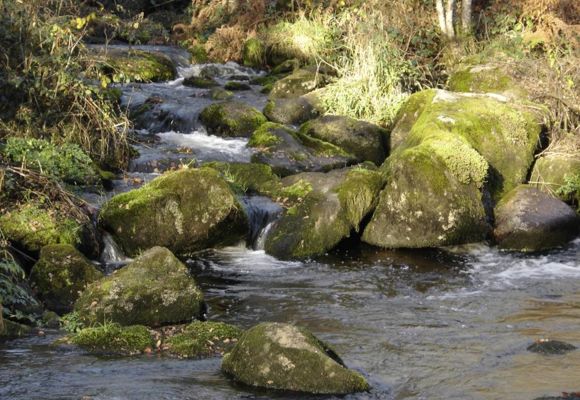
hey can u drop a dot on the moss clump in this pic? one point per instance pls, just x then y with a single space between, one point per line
358 194
231 119
114 339
137 66
485 79
237 86
33 227
186 211
254 53
220 94
286 357
263 137
249 178
66 162
60 274
203 339
155 289
200 82
198 54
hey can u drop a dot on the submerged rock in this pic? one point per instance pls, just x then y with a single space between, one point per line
530 220
286 357
155 289
334 205
237 86
200 82
114 339
231 119
60 274
185 211
203 339
454 154
547 346
289 152
293 111
367 142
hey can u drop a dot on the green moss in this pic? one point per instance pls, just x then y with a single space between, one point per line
236 86
137 66
66 162
114 339
200 82
155 289
408 115
231 118
285 357
297 191
198 54
250 178
203 339
12 330
220 94
254 53
263 137
320 147
60 274
484 79
298 83
33 227
186 211
359 194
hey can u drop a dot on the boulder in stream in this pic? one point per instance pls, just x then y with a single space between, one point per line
527 219
293 111
333 206
60 274
367 142
289 152
155 289
550 347
231 119
286 357
125 64
185 211
296 84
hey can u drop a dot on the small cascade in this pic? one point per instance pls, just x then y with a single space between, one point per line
112 256
262 213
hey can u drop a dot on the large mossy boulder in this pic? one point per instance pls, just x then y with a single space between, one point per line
203 339
185 211
286 357
296 84
486 78
31 226
231 119
289 152
60 275
155 289
114 339
367 142
332 206
125 65
293 111
527 219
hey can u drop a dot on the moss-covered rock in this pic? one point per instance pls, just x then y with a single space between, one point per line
137 66
249 178
504 133
296 84
433 198
335 206
31 227
200 82
289 152
236 86
13 330
254 53
231 118
488 78
203 339
185 211
155 289
293 111
367 142
527 219
60 274
286 357
114 339
220 94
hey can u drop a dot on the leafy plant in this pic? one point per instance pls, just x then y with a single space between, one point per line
570 190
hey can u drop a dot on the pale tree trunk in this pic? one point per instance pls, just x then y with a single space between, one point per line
466 16
449 17
441 15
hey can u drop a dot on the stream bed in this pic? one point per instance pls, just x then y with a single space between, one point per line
424 324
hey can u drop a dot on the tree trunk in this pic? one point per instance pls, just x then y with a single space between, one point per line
449 17
441 15
466 16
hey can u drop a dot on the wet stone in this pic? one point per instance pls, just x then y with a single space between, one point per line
550 347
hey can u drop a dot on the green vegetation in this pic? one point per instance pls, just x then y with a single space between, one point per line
202 339
114 339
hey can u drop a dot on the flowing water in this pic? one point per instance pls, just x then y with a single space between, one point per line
435 324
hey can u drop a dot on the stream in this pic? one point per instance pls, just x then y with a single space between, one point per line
449 323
